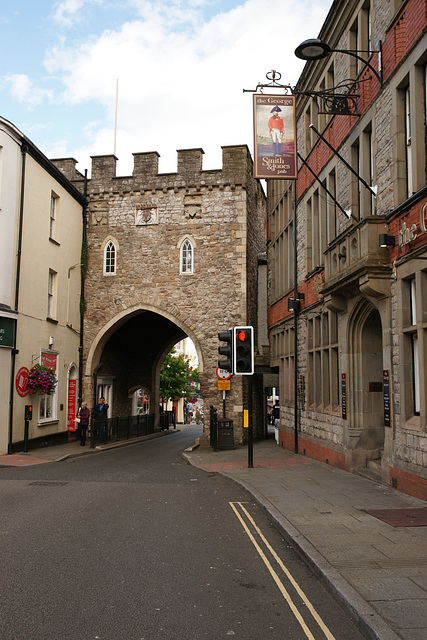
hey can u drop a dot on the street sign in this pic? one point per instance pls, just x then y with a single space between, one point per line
7 332
224 385
21 381
223 374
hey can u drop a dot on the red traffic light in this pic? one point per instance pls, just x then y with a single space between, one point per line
243 351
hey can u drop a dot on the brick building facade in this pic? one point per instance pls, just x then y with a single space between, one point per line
361 327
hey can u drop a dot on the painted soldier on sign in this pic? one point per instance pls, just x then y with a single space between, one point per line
276 129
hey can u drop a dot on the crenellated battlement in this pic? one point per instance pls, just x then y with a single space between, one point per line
237 169
236 161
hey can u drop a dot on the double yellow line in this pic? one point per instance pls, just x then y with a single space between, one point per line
244 516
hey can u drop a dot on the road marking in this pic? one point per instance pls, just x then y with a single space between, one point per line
274 575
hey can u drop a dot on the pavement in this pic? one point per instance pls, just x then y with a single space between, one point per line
365 541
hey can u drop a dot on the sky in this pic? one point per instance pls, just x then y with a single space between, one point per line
178 69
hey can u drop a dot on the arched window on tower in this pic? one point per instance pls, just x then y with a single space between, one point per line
186 257
110 261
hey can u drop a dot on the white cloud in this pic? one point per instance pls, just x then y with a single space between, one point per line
23 90
68 12
181 79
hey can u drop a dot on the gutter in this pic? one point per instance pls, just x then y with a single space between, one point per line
14 352
82 293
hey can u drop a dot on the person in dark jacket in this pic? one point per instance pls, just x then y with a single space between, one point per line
100 415
84 414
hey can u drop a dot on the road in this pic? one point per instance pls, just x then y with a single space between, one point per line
134 544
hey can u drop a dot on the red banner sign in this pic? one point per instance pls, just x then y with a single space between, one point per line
49 360
71 409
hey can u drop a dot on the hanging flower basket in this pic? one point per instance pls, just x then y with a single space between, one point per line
42 380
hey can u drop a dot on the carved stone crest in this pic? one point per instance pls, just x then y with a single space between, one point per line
145 214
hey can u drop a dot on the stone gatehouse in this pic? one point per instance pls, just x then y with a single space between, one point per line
169 255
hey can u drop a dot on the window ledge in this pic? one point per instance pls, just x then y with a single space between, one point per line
70 326
414 423
48 422
313 272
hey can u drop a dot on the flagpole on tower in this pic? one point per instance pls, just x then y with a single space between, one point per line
115 117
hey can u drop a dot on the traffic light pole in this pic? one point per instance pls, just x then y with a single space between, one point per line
250 427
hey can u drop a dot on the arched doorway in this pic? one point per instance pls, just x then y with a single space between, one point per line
127 354
367 416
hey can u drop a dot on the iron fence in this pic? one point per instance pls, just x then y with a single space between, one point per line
114 429
213 428
167 420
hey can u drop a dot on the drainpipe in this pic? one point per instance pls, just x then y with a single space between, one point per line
82 296
17 282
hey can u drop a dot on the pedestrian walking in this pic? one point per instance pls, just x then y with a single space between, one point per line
83 415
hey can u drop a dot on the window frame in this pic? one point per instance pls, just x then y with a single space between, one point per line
186 257
323 384
51 294
49 402
110 258
53 215
412 339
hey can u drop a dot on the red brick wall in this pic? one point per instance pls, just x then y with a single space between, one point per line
312 450
398 41
279 311
408 483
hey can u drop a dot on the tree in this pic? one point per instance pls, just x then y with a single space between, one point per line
175 376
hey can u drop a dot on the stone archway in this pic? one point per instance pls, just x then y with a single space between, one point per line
367 431
128 351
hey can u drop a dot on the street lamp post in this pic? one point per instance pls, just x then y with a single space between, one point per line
316 49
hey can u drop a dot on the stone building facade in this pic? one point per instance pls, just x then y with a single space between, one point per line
361 323
169 256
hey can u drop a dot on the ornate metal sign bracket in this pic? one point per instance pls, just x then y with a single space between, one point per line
338 100
274 77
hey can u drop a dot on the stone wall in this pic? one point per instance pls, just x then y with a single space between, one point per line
148 215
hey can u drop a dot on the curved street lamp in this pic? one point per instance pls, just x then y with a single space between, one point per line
316 49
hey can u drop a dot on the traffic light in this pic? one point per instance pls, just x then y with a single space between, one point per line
28 412
243 350
227 351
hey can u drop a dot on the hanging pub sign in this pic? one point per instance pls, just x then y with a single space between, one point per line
275 144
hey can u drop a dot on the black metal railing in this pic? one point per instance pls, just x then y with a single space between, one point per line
167 419
213 428
114 429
